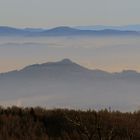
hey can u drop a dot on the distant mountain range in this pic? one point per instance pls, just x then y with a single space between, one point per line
103 27
68 31
68 84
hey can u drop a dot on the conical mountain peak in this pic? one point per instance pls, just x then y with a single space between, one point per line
66 61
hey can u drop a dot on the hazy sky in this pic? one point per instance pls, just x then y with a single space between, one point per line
105 53
50 13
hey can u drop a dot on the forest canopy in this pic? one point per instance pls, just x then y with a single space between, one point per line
63 124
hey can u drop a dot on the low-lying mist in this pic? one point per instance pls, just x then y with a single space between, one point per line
106 53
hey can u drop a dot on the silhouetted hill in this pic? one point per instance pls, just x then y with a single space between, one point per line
8 31
66 66
66 83
62 69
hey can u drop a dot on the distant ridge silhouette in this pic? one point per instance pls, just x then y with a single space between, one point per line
62 31
70 65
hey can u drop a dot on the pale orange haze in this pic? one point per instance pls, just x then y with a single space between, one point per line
105 53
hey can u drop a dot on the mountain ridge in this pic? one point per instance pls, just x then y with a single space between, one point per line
69 64
135 27
62 31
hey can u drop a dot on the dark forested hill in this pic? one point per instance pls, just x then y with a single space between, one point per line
41 124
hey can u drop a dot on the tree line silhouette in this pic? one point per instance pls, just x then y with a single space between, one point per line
63 124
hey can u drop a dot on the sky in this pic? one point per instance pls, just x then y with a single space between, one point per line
51 13
106 54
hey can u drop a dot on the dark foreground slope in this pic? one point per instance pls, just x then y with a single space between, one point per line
40 124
